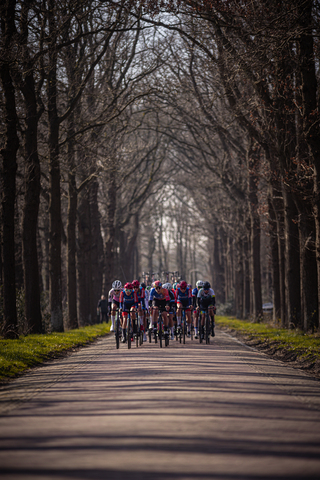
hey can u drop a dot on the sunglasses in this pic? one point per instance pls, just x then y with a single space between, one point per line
135 287
117 291
158 288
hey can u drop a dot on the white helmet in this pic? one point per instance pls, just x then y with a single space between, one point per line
167 286
199 284
117 285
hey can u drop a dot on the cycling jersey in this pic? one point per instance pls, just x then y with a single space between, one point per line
172 301
162 294
141 296
128 301
206 299
112 295
184 297
194 297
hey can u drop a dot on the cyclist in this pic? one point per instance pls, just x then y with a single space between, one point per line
195 291
172 305
140 291
183 298
160 300
113 301
206 301
146 310
128 302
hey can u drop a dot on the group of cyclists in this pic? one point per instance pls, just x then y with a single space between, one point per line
144 303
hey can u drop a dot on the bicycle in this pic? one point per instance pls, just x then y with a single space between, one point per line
163 334
207 327
183 327
118 332
137 332
129 328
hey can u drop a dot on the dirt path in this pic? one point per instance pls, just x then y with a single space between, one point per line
192 411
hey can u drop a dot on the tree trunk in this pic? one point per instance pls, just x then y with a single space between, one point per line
30 212
310 115
292 261
96 251
8 183
84 261
255 273
110 228
55 226
32 190
71 231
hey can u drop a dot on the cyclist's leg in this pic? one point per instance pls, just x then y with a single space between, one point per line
195 322
179 315
140 316
114 307
171 324
211 314
124 326
189 320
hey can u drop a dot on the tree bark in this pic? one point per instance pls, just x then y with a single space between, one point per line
55 226
71 231
255 232
32 191
9 169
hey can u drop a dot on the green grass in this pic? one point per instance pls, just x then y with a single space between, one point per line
304 346
16 356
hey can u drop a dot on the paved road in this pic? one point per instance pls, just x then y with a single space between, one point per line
223 411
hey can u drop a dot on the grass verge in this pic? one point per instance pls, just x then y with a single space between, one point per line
16 356
288 345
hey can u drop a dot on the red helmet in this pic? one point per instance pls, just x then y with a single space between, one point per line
128 286
157 283
183 284
136 283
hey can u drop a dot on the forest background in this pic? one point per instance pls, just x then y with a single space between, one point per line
155 136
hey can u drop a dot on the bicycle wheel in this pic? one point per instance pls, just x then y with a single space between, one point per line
167 339
149 334
200 328
160 329
118 330
137 333
207 328
129 331
184 326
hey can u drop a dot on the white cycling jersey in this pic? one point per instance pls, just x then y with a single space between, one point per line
208 294
113 296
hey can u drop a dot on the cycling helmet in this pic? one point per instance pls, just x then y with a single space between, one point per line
143 285
190 286
206 285
117 285
183 284
128 286
199 284
165 285
157 283
175 286
169 286
136 283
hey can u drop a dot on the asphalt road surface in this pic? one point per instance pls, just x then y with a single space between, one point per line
220 411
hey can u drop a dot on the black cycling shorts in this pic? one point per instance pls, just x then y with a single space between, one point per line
161 304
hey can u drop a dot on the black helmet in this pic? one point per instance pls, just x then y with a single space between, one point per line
206 285
143 285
